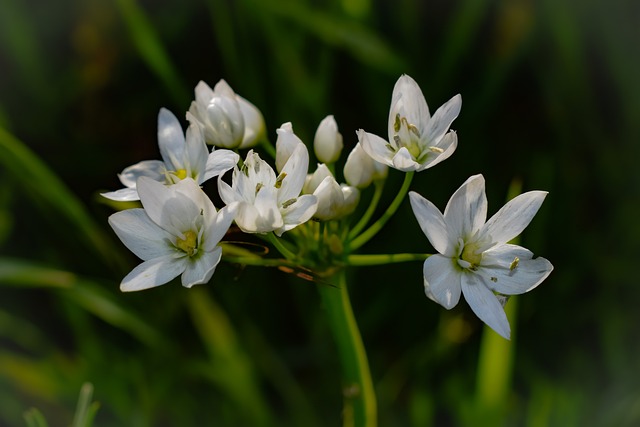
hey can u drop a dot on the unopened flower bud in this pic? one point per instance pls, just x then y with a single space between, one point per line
327 143
360 169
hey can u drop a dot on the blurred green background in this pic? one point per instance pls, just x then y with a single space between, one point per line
550 96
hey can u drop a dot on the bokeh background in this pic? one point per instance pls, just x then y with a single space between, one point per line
550 98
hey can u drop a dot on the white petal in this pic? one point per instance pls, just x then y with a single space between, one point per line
295 171
377 148
141 235
510 269
203 93
408 101
433 225
298 213
330 199
218 226
286 143
442 280
152 273
327 143
170 139
254 127
154 169
218 162
442 119
448 144
195 153
168 208
485 304
514 217
122 195
199 270
227 194
404 161
466 211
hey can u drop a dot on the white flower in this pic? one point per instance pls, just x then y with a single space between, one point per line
227 119
327 143
334 200
177 233
474 257
417 140
360 169
181 158
266 202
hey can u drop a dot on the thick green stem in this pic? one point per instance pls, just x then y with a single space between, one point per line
381 259
393 207
360 408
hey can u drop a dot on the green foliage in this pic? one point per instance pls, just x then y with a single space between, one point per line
550 95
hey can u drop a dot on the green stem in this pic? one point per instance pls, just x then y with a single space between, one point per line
380 259
378 186
280 246
264 262
393 207
360 408
268 147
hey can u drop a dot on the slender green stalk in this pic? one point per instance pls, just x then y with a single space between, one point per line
257 261
360 408
378 187
280 246
268 147
393 207
381 259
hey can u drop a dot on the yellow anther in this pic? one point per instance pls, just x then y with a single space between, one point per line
181 173
436 149
189 244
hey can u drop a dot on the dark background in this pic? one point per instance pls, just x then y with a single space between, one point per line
550 97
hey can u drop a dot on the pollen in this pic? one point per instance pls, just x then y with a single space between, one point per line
279 180
189 244
471 255
181 173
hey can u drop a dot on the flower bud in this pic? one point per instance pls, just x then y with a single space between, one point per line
360 169
285 144
327 143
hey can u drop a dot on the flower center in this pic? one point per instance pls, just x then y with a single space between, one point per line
174 177
407 135
470 257
189 244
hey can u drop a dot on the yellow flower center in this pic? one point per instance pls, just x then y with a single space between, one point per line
181 173
189 244
472 256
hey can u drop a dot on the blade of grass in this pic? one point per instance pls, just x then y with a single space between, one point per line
34 418
150 47
85 292
85 410
230 367
46 189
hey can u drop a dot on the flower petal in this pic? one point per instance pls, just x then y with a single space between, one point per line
218 162
198 271
442 119
514 217
218 225
170 209
286 143
510 269
154 169
297 213
377 148
433 225
170 139
408 101
485 304
466 211
152 273
447 144
122 195
442 280
295 173
141 235
404 161
194 158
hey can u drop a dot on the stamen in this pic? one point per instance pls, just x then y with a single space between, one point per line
289 203
436 149
189 244
514 263
279 179
258 187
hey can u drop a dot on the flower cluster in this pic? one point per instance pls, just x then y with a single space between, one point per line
178 230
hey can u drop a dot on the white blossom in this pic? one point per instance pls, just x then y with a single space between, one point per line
177 233
181 158
417 140
227 119
268 202
473 256
334 200
360 169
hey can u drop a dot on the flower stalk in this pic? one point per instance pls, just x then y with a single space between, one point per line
360 408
